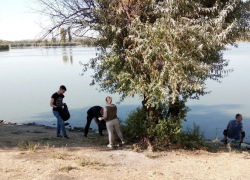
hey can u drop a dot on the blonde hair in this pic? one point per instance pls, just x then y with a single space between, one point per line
109 99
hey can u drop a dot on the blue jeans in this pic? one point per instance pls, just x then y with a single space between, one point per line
60 124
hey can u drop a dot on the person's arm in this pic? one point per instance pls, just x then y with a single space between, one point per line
51 103
105 115
96 121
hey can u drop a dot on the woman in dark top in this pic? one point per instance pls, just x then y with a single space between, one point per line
112 122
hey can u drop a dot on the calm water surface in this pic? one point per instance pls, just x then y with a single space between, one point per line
28 78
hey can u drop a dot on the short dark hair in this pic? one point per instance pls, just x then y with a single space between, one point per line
63 87
237 115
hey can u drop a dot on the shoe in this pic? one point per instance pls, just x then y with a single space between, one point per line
66 137
123 142
59 136
85 135
101 134
109 145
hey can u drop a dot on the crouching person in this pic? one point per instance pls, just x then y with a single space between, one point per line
112 122
93 113
235 129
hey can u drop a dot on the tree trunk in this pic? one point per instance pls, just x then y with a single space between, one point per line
157 114
174 109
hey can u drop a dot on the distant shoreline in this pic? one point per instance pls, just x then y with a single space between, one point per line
4 47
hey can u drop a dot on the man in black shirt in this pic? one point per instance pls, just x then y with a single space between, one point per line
57 102
93 113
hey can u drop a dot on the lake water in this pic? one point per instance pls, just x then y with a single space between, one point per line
28 78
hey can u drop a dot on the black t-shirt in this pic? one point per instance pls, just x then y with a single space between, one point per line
58 101
95 111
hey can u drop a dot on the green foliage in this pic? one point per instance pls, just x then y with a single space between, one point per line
139 125
193 138
135 128
169 130
164 134
164 50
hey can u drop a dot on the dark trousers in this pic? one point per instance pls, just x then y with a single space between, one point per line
89 119
243 134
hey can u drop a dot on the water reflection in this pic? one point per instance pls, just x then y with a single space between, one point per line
67 55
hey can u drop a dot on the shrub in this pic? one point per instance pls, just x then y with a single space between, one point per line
193 138
139 126
134 127
142 128
167 132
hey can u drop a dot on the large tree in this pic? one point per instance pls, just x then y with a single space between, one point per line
163 50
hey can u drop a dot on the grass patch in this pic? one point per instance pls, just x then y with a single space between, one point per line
193 138
154 155
50 139
66 168
16 132
58 155
87 161
49 147
38 132
25 145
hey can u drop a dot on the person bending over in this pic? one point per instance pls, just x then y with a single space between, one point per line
57 102
112 122
93 113
235 129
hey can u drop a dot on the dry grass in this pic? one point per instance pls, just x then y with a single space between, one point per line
87 161
15 132
152 155
26 145
66 168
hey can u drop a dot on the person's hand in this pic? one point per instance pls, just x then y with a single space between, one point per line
100 118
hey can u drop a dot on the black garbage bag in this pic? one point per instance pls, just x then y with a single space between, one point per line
64 112
102 125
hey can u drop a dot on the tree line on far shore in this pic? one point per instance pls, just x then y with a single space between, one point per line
65 39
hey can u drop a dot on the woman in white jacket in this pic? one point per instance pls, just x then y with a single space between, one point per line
112 122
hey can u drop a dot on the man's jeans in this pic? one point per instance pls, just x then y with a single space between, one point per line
60 124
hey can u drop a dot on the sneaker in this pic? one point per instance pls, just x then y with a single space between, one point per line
85 135
123 142
225 142
109 145
100 134
66 137
59 136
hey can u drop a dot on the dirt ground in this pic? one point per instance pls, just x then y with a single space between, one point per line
31 152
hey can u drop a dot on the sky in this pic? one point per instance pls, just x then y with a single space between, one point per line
17 22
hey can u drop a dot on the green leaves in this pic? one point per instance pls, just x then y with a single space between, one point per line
164 50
